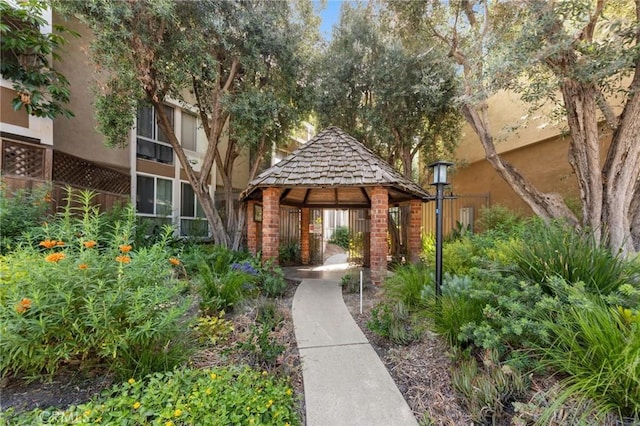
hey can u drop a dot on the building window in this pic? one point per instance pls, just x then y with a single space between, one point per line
151 142
153 196
189 131
193 221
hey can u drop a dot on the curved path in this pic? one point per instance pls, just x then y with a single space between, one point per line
345 383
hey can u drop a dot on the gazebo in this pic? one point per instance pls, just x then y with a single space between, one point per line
333 170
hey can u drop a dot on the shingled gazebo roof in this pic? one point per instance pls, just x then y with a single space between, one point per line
333 170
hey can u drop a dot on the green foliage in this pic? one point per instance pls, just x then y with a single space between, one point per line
366 62
396 323
455 308
460 255
262 344
206 397
350 282
271 278
597 349
489 390
82 296
555 250
19 212
340 237
289 254
219 292
213 329
27 55
499 219
407 283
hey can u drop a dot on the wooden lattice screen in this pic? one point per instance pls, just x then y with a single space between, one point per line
76 171
22 159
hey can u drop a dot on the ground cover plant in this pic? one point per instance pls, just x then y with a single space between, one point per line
521 302
220 396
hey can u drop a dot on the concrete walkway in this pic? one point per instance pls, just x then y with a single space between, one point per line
345 383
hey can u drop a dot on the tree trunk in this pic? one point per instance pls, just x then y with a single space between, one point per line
584 150
545 205
203 195
621 176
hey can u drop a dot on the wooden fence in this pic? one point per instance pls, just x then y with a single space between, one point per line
26 166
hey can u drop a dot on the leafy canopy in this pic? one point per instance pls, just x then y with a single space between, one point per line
26 58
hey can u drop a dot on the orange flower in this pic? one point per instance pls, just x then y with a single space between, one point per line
23 305
89 244
59 243
55 257
123 259
125 248
48 243
47 198
174 261
83 266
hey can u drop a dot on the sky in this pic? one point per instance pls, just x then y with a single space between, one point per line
330 16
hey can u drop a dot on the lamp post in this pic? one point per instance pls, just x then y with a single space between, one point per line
439 169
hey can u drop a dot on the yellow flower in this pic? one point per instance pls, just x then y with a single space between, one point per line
136 405
89 244
83 266
125 248
87 413
131 381
55 257
213 376
169 423
264 374
270 403
48 243
23 305
123 259
289 392
174 261
208 391
177 413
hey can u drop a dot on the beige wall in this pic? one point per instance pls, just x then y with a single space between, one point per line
78 136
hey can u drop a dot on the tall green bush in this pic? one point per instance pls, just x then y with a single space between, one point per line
596 347
556 250
19 212
406 285
340 237
80 296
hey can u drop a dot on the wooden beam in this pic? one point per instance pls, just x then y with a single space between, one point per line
306 196
284 194
366 196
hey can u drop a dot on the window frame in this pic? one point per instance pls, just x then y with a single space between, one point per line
155 196
155 133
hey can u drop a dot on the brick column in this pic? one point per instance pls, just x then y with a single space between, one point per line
304 235
379 234
270 223
415 231
252 231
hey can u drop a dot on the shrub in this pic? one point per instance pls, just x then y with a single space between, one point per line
19 212
79 296
395 323
221 292
555 250
459 256
406 285
289 254
499 219
340 237
271 278
456 308
487 391
204 397
597 349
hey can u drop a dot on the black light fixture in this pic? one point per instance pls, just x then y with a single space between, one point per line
439 169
